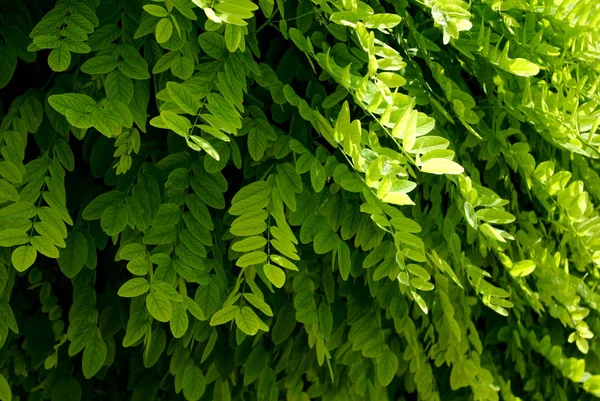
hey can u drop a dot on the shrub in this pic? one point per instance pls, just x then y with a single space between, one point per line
336 200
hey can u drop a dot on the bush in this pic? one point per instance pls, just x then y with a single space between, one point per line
336 200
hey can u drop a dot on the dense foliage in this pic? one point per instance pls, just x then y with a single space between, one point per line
314 199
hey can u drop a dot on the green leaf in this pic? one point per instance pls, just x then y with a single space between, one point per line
213 44
592 385
159 306
194 383
275 275
76 47
164 30
155 10
134 288
158 342
184 98
259 303
166 289
67 389
44 246
325 319
7 192
288 178
5 393
249 198
252 258
160 235
441 166
168 215
23 257
94 356
249 244
51 231
99 65
224 315
204 145
233 36
72 258
178 124
421 284
522 268
58 205
95 209
298 39
284 324
119 87
47 41
523 67
10 172
248 226
391 79
59 59
285 244
12 237
344 259
283 262
72 101
193 308
199 211
210 346
134 71
132 251
257 143
139 266
179 321
267 7
325 241
164 63
336 97
247 321
495 216
18 210
8 65
65 154
182 67
382 21
459 376
387 366
317 176
115 218
55 223
470 215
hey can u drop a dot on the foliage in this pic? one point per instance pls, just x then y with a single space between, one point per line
326 199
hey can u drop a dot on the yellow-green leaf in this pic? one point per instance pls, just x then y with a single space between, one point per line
522 268
164 30
441 166
23 257
134 288
523 67
275 275
247 321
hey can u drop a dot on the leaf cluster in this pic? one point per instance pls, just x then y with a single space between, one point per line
315 199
